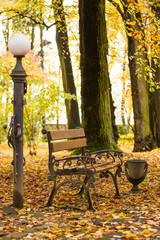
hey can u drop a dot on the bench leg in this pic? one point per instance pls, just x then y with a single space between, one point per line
53 192
82 188
89 200
114 177
89 182
85 187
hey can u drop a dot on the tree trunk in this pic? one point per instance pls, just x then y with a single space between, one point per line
66 66
142 133
133 25
6 32
114 126
32 36
41 47
113 119
96 111
155 96
155 108
138 75
123 79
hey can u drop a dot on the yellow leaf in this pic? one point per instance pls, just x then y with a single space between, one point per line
120 231
145 231
122 215
73 214
130 34
56 226
78 225
132 23
130 235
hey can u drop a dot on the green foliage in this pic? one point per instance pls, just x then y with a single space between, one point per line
42 96
126 139
5 91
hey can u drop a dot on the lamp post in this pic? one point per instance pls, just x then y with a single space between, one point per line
18 45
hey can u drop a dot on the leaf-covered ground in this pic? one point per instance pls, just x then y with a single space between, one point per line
134 216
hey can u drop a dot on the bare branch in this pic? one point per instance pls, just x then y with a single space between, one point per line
117 6
26 14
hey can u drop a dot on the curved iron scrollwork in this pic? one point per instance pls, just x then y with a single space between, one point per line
11 135
14 135
108 155
112 157
72 165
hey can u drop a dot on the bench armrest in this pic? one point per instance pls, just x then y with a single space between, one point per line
82 165
111 156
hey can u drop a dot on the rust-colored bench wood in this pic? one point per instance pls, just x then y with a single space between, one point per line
75 170
67 145
66 134
105 168
103 164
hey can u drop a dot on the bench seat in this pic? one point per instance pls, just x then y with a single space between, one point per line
84 166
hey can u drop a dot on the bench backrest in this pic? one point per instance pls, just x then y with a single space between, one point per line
66 139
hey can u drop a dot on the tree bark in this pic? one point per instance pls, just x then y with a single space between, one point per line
95 92
6 32
66 66
113 119
41 47
155 95
142 132
155 107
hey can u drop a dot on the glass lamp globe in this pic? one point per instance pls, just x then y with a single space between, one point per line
19 44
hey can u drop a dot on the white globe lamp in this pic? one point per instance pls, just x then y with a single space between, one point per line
19 44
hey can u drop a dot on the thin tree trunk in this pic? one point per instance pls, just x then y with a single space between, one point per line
155 107
113 119
6 32
41 47
155 96
96 110
32 36
142 131
114 126
65 60
123 92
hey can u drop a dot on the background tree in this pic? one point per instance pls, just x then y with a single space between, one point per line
66 65
153 30
41 14
96 111
131 15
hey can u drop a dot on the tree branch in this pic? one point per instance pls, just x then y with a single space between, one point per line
117 6
26 14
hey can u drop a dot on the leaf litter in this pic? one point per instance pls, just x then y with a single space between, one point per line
134 216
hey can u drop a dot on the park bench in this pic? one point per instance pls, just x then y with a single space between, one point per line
80 170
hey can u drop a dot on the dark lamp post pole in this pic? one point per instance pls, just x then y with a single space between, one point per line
19 45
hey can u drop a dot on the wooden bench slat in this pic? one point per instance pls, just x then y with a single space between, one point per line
66 134
104 167
103 163
66 145
75 170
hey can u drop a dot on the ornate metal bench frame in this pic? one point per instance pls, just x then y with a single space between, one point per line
84 167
